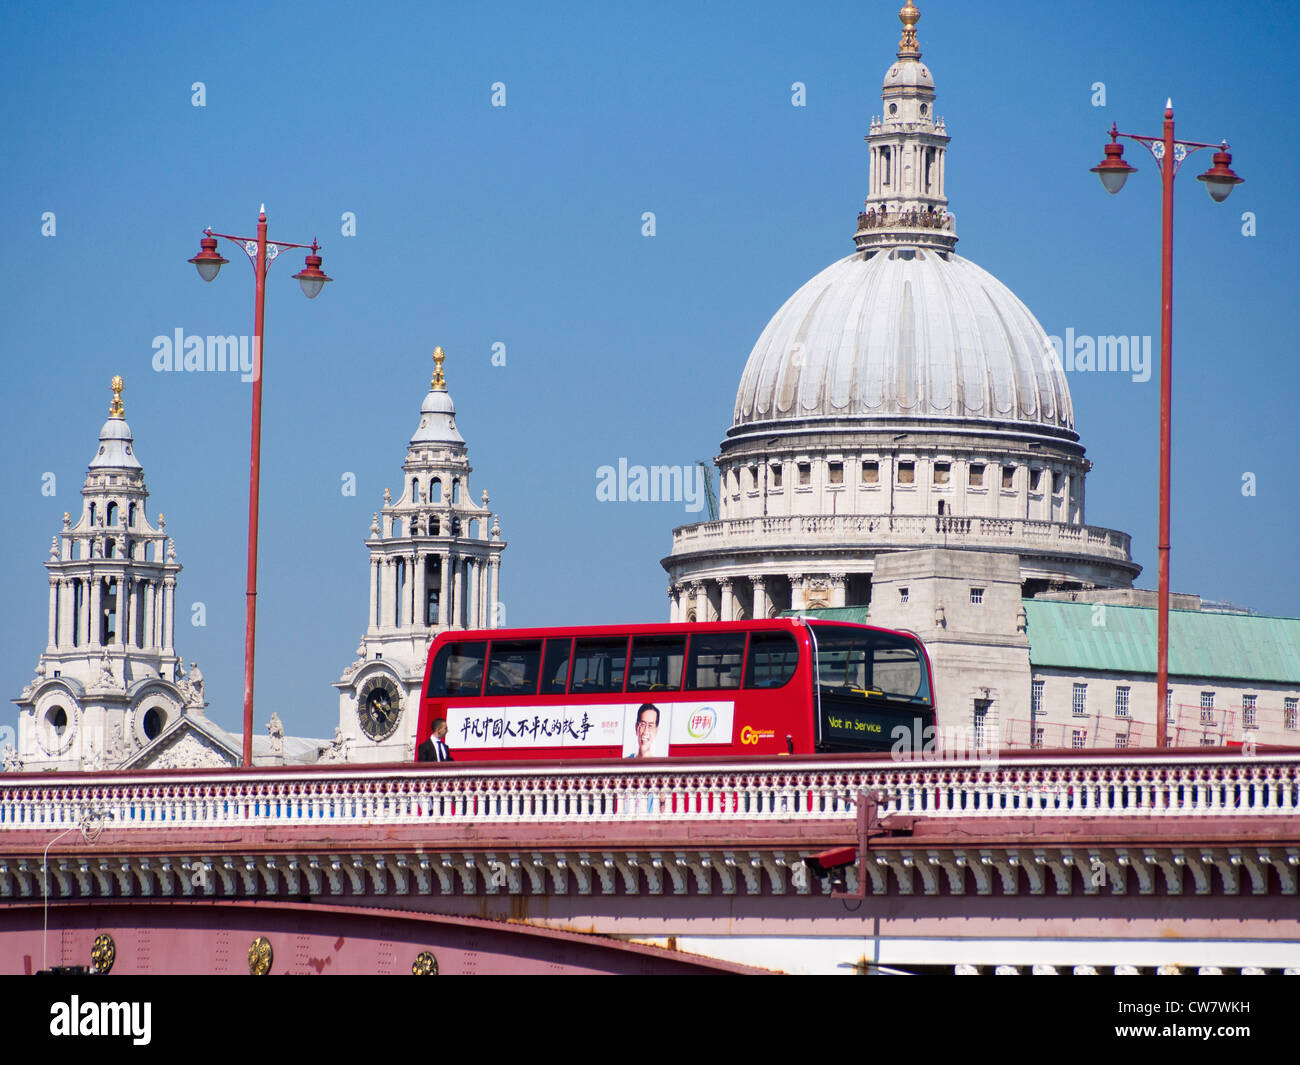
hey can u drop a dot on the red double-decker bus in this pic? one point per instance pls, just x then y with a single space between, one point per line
782 686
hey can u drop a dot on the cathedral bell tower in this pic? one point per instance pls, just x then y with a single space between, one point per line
109 681
435 559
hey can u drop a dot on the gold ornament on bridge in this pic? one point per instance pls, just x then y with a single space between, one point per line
260 956
425 964
103 954
116 410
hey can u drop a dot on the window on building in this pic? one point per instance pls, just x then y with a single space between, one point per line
1036 698
776 475
1208 741
941 471
1035 480
805 473
977 596
871 473
1079 700
1078 739
835 472
1207 708
981 718
1058 480
1008 477
902 595
977 475
1248 711
1038 736
1290 711
1121 740
907 473
1121 700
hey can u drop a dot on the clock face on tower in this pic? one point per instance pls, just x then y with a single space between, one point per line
379 707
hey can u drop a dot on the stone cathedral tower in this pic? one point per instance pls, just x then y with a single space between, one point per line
435 559
109 685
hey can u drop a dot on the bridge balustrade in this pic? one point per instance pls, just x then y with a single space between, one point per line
821 789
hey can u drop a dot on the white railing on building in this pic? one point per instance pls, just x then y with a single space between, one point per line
790 791
908 530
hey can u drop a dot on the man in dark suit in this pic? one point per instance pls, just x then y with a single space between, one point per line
434 749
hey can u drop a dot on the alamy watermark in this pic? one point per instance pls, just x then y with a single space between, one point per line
1111 354
651 484
179 353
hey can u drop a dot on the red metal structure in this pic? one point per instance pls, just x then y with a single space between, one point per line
261 253
1219 183
776 687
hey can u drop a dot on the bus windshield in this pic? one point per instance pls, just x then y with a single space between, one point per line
871 664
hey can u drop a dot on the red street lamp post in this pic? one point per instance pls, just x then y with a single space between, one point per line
1219 181
261 253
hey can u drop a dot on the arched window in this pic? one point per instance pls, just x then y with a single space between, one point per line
153 722
130 516
92 513
415 490
455 526
111 518
434 526
435 491
455 490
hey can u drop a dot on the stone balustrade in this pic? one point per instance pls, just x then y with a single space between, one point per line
907 531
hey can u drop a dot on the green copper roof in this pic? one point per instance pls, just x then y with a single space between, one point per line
1202 643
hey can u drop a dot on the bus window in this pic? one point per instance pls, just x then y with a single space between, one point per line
715 660
598 665
513 667
555 669
458 669
773 658
870 663
656 663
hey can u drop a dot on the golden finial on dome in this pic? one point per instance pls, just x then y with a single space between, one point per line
116 410
439 382
909 16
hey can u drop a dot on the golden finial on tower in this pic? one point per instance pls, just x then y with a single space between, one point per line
439 382
116 410
909 16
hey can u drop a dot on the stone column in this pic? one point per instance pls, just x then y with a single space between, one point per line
63 634
701 600
373 620
796 591
839 582
388 603
421 592
444 590
169 615
150 593
726 604
452 593
760 597
51 643
92 630
496 592
672 605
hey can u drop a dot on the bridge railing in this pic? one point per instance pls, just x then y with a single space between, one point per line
812 789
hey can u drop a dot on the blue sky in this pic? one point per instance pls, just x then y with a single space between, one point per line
521 225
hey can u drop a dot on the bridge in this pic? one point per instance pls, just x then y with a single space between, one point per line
1034 861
